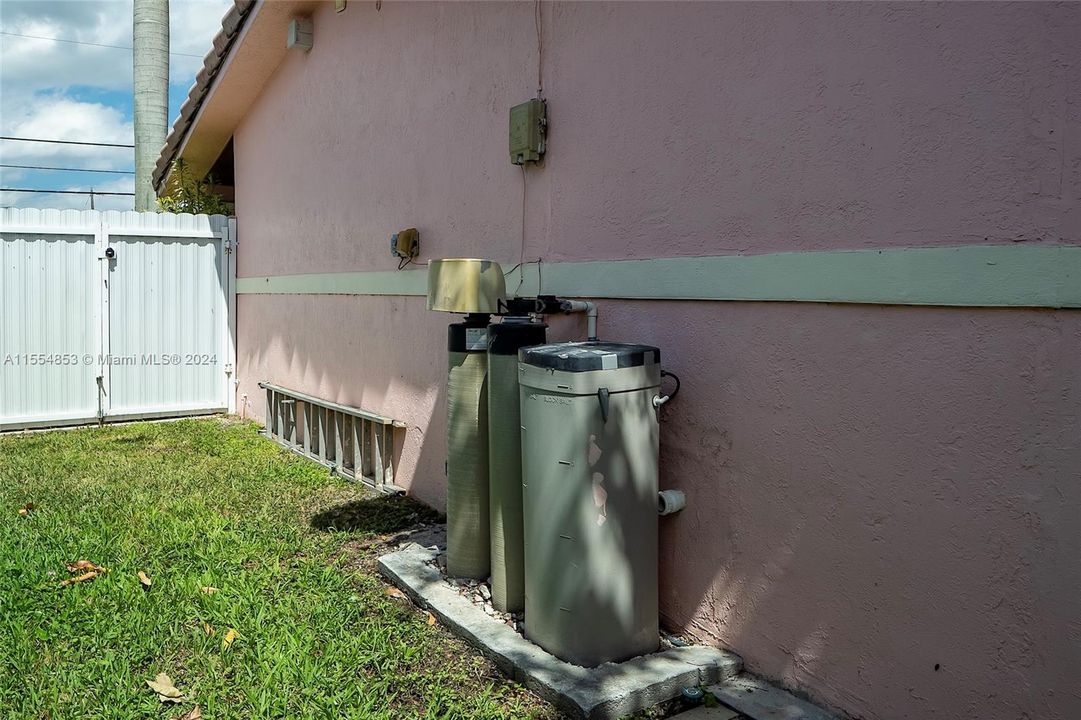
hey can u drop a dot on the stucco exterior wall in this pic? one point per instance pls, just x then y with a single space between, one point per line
884 501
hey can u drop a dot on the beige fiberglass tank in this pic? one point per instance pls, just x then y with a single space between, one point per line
473 287
590 440
468 552
505 339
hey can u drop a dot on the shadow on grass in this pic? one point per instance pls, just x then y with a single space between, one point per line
379 515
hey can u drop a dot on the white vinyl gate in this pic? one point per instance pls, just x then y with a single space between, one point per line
114 316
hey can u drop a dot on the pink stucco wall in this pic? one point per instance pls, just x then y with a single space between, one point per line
884 502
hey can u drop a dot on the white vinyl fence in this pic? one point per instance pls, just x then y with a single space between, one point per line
114 316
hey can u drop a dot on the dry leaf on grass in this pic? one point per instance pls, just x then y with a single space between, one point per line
230 636
395 593
208 629
81 578
196 713
431 619
87 570
145 580
208 589
25 509
165 689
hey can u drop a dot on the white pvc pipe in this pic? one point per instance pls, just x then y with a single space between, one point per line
670 501
590 309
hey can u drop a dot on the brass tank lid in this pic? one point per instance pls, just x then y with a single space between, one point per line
465 285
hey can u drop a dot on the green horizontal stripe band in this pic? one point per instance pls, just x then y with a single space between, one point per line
377 282
976 276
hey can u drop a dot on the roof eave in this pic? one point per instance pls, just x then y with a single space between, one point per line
224 43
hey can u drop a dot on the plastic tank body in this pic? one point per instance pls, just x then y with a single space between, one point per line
505 457
590 441
467 449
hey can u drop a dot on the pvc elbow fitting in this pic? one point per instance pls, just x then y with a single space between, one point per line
670 502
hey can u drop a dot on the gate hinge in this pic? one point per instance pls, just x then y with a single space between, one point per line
228 247
229 369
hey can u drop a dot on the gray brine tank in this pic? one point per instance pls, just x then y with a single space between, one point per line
590 440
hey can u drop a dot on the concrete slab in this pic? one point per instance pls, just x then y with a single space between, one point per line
759 700
611 691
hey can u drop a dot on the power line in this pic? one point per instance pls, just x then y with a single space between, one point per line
67 192
43 167
84 42
65 142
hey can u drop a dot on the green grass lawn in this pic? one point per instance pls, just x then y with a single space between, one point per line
209 503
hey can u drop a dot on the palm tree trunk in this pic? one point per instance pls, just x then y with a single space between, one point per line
151 101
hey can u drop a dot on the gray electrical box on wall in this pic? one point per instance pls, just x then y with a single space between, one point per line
528 129
300 34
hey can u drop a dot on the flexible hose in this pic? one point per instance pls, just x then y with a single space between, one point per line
666 373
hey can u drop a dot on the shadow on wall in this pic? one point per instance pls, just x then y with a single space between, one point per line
386 377
694 457
705 592
875 498
611 612
864 517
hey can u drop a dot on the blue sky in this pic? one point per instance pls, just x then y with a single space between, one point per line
81 91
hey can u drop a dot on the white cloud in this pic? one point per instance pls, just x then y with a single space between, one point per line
36 63
31 63
58 117
75 91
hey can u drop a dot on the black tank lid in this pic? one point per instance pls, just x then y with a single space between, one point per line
507 337
586 356
470 335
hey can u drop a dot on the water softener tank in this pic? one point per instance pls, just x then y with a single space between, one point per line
475 288
505 339
590 441
467 448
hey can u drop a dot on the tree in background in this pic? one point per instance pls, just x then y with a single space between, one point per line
191 195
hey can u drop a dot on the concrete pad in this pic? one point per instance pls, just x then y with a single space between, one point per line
759 700
611 691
